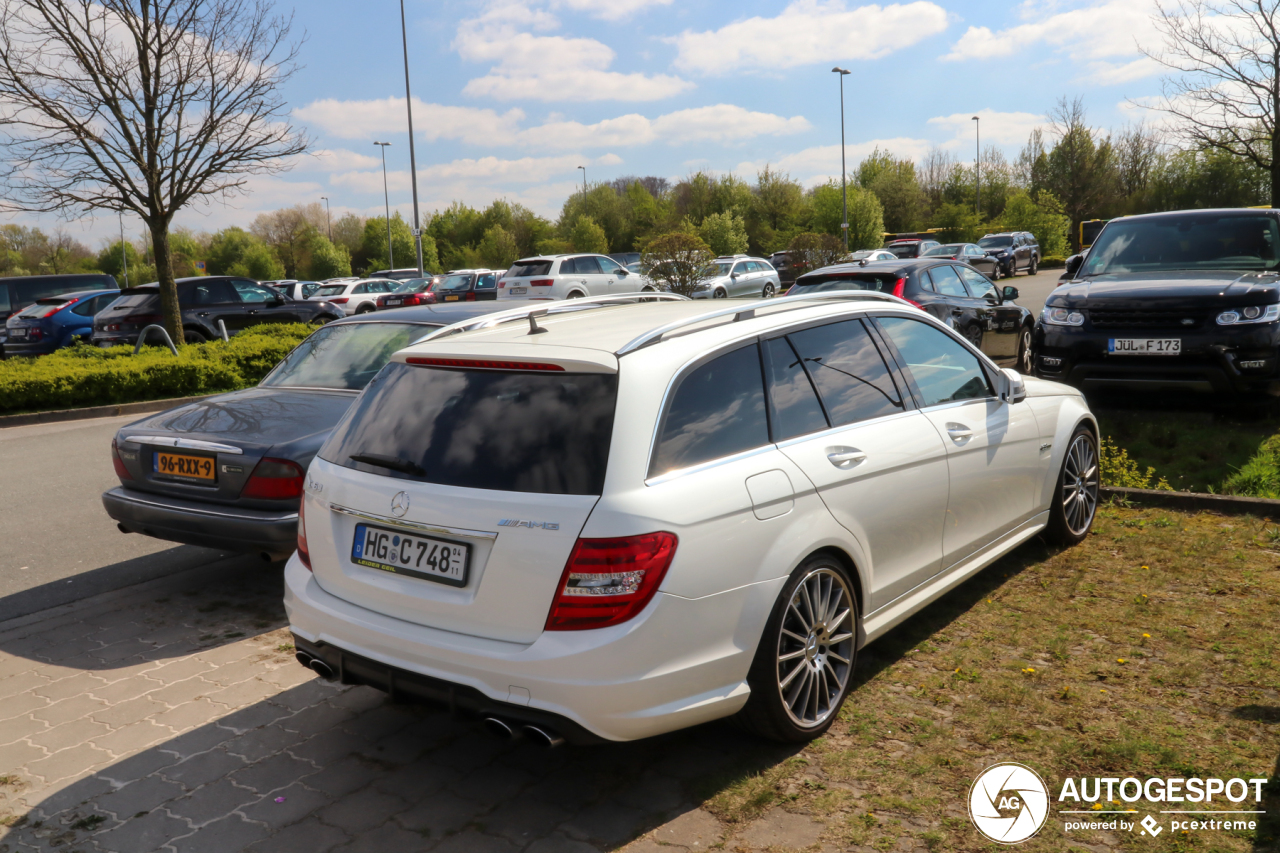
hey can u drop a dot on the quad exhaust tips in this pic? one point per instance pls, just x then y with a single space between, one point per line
508 730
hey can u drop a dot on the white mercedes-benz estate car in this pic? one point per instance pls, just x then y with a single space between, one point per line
601 520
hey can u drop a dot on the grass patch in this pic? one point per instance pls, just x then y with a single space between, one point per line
1148 650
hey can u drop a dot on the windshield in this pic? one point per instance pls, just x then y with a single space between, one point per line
331 290
943 251
344 356
413 285
455 282
905 250
717 269
1189 241
996 242
881 283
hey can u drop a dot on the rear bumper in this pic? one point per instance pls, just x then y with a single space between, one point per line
24 348
209 525
679 663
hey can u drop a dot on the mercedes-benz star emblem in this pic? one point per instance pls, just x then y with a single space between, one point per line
400 504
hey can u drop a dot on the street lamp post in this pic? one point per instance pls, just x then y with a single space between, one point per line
327 221
413 165
844 172
584 185
386 198
977 166
124 255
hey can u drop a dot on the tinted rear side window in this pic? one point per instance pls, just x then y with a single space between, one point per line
31 289
717 410
796 410
521 269
850 374
546 433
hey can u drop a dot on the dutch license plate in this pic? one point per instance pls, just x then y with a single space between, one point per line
410 554
451 299
184 467
1145 346
16 334
392 302
518 291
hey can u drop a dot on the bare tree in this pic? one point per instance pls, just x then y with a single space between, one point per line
143 106
934 172
1137 153
1226 90
290 232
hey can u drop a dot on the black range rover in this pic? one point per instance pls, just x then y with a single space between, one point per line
1186 300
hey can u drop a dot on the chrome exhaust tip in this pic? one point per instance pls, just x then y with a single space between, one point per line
543 737
501 728
322 669
303 658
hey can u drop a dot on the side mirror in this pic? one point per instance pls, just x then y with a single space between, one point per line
1015 390
1009 293
733 275
1073 264
623 272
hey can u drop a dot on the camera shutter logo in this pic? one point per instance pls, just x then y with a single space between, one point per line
1008 802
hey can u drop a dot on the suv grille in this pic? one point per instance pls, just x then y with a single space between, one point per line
1145 318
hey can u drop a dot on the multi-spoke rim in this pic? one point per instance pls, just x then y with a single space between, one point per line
974 334
1080 484
815 647
1025 346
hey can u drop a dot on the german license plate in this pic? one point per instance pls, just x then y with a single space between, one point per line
410 554
1145 346
451 299
391 303
519 291
17 334
183 467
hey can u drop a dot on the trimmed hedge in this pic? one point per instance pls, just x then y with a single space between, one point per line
84 375
1052 262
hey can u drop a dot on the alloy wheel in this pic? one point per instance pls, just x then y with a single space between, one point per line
1024 352
974 335
1080 485
815 647
768 291
719 293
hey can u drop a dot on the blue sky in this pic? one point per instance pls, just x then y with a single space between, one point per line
512 95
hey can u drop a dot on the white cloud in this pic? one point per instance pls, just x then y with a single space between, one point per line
808 32
723 123
821 163
336 160
381 117
1093 35
1000 128
548 68
609 10
523 170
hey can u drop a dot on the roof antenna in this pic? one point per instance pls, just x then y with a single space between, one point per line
534 328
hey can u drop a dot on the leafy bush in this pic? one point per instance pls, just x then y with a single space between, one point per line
1119 471
84 375
1050 262
1260 476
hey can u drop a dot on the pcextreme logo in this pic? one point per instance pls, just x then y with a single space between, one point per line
1009 803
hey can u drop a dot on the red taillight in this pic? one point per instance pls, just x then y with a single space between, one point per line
608 581
121 471
471 296
35 334
542 282
341 300
274 480
482 364
142 319
899 287
502 284
303 554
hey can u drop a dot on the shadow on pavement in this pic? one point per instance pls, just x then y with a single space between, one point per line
109 578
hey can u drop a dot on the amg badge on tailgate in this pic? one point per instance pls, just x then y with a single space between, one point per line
519 522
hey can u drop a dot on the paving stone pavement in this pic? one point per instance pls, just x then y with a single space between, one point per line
173 717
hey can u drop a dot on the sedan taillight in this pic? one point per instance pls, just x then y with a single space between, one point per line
608 581
303 554
274 480
121 471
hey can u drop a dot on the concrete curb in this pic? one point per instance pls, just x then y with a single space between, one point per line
116 410
1197 502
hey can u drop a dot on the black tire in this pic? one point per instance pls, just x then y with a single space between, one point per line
193 336
575 295
1075 499
1026 358
995 273
768 291
365 309
322 319
719 293
973 334
825 668
1034 266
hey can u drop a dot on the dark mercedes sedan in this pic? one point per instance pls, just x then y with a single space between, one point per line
1183 301
227 472
954 293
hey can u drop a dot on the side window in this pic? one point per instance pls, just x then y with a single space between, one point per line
89 307
946 282
488 281
849 372
796 410
925 282
569 266
942 368
588 265
6 304
252 293
360 288
717 410
209 293
741 268
978 284
609 265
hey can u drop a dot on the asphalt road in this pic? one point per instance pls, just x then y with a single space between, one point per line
57 544
1033 290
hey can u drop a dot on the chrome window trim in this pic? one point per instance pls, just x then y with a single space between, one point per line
413 525
831 431
677 473
185 443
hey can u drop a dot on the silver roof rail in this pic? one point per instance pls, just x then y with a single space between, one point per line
555 307
748 312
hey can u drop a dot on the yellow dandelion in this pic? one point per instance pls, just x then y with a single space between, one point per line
1031 669
1102 690
1146 567
1146 636
1097 806
1119 660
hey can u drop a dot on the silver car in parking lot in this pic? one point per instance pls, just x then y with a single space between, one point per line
738 275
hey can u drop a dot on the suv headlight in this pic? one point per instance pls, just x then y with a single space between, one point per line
1061 317
1250 314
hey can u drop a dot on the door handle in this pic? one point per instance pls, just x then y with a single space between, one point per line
845 457
202 313
957 312
959 432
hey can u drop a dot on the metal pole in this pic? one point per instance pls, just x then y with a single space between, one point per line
584 188
124 256
386 198
328 221
413 166
977 167
844 171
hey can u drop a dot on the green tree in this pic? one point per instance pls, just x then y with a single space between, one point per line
1042 216
258 262
227 248
779 211
587 236
894 183
328 260
109 261
677 261
373 247
498 248
866 220
725 233
960 223
811 251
